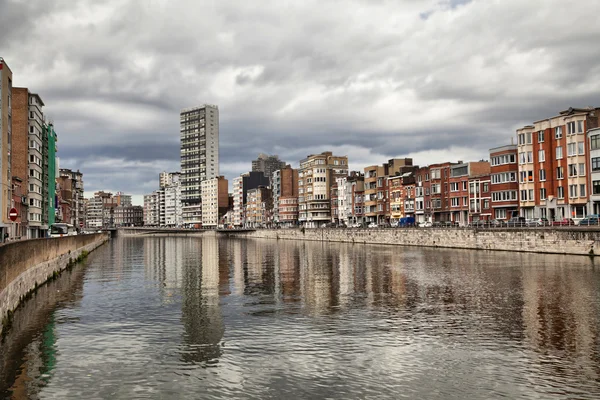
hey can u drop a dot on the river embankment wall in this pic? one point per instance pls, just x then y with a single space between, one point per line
26 264
578 241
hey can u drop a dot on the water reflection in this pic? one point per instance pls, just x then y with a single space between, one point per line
184 317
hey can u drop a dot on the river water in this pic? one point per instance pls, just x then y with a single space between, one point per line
209 318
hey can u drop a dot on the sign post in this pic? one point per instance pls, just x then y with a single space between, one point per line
13 214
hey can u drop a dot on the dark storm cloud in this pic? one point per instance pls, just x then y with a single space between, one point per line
434 79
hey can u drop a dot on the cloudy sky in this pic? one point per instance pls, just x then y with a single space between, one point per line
437 80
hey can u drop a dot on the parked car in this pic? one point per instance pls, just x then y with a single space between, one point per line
356 225
425 224
496 223
540 222
593 219
563 222
372 225
516 221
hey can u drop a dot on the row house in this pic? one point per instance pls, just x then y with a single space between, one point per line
439 176
554 165
469 192
422 195
504 172
349 199
401 194
128 215
377 206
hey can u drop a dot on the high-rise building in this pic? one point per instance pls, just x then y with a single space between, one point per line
168 178
100 210
267 164
199 132
317 174
49 148
5 147
151 209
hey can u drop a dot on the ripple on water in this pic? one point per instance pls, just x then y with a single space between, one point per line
190 318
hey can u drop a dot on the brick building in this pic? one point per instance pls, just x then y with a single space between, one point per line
554 165
504 183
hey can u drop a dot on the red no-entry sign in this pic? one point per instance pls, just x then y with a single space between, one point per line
13 214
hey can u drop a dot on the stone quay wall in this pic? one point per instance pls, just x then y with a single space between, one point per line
26 264
579 241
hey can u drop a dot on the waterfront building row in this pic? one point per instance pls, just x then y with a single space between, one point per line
31 182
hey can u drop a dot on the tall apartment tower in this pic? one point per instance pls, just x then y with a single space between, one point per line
5 147
267 164
199 131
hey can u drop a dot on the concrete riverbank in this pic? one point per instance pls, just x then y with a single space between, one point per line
25 265
552 241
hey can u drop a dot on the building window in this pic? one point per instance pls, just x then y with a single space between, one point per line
542 175
571 128
559 173
541 155
572 169
523 195
582 190
561 192
486 187
540 139
596 187
543 194
558 132
595 142
571 149
581 169
521 138
486 203
454 186
596 164
580 148
528 136
559 153
455 201
572 191
501 213
529 157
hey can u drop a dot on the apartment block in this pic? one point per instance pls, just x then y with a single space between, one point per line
128 216
100 210
75 201
215 201
554 163
377 205
346 210
241 186
284 186
593 139
5 148
317 174
20 161
504 172
258 206
152 209
199 131
50 173
29 128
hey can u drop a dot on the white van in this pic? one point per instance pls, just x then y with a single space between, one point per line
60 230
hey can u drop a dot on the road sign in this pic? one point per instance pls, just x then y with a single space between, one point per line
13 214
81 224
